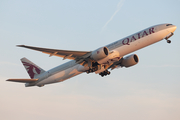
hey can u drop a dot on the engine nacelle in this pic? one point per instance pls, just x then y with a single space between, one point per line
130 60
111 58
100 53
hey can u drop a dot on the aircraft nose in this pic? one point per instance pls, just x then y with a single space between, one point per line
174 28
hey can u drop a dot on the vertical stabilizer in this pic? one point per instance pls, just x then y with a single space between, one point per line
32 69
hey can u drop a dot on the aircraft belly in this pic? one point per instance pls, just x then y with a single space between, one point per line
61 76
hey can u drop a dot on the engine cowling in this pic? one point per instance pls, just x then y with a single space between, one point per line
100 53
130 60
111 58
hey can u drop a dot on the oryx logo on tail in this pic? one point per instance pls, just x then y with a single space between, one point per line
31 68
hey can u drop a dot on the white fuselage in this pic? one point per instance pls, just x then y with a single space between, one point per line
123 47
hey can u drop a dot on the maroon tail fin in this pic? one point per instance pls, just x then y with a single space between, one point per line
32 69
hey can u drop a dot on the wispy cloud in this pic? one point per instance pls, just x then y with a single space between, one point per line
119 5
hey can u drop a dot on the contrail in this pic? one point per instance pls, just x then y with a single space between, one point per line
119 5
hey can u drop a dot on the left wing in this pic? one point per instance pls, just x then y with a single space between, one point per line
22 80
65 54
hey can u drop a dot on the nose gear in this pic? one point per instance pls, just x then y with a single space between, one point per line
168 36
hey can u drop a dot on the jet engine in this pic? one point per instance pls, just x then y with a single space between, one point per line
100 53
130 60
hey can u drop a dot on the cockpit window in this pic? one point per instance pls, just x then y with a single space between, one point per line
168 24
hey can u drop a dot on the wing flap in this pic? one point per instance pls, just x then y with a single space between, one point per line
22 80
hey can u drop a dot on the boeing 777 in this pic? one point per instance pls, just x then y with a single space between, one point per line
99 61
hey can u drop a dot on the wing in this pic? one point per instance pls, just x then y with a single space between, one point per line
22 80
65 54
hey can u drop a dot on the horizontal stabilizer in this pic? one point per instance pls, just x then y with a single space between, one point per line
22 80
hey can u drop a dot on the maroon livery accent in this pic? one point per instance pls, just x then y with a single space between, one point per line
30 69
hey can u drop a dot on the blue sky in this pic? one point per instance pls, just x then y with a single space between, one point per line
148 90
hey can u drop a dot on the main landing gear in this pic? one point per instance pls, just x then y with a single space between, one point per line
92 70
104 73
96 68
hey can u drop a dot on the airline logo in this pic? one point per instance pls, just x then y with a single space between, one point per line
142 34
31 69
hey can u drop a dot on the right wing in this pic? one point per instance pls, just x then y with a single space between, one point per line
22 80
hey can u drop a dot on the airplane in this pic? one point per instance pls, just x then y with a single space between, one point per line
99 61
